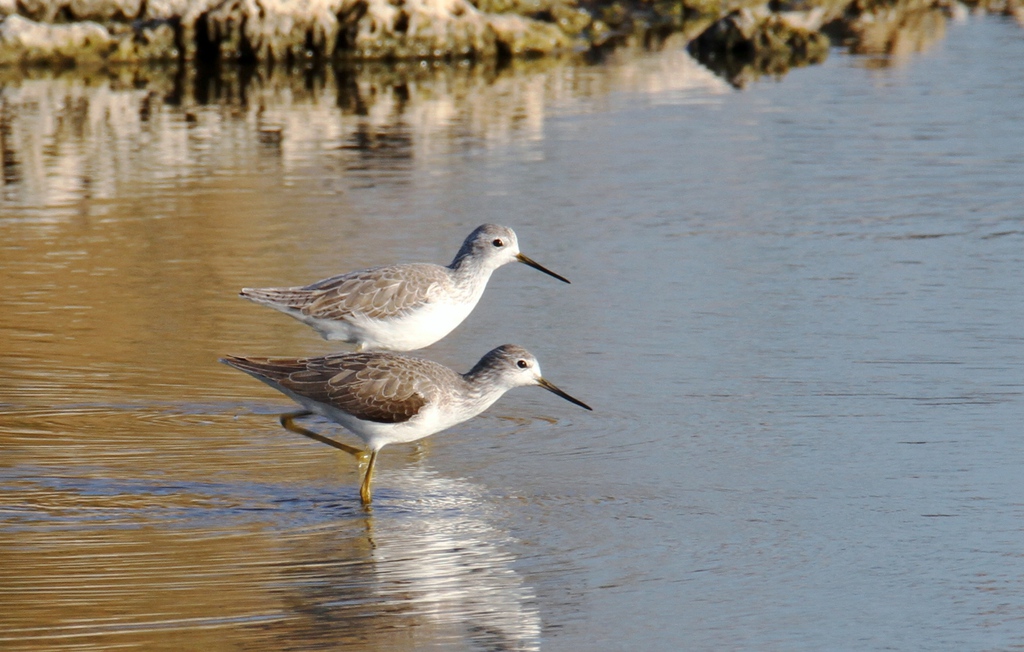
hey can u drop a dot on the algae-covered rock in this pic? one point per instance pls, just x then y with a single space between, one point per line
264 29
155 41
38 10
48 11
404 29
535 34
104 10
704 7
170 9
521 7
742 33
571 19
26 41
287 30
519 35
566 14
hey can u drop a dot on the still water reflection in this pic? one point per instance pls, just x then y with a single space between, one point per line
796 310
74 139
108 562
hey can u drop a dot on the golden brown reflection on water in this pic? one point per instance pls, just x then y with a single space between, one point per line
141 527
149 500
115 563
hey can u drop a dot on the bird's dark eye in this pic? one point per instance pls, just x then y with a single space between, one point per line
523 364
498 242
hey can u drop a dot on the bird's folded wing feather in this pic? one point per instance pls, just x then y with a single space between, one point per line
368 387
376 293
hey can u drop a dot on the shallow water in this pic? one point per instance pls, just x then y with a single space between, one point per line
796 309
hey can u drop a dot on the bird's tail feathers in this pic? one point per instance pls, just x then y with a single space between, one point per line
258 367
280 298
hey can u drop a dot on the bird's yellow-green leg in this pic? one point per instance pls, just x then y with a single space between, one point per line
364 488
288 421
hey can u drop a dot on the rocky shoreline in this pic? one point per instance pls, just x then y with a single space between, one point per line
728 35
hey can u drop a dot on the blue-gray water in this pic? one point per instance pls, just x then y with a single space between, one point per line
796 310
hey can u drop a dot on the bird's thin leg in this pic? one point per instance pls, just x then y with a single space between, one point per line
364 488
288 421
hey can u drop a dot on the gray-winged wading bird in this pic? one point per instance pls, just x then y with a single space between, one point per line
400 307
386 398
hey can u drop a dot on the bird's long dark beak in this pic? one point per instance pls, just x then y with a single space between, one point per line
529 261
554 390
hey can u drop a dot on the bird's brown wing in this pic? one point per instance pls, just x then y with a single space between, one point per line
379 387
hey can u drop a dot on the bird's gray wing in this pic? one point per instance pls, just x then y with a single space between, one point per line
377 293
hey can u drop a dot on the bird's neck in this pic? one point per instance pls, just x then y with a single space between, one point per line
482 391
470 271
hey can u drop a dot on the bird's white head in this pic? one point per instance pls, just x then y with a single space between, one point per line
491 245
511 366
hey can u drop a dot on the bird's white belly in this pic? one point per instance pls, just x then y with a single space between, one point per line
377 435
414 330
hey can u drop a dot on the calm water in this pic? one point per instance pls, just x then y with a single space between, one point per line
796 309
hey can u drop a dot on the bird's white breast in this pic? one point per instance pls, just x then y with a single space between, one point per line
414 330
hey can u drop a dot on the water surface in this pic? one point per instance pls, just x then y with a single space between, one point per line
796 309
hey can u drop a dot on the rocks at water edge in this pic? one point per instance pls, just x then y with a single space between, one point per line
82 31
729 35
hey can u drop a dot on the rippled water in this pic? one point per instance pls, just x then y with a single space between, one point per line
796 309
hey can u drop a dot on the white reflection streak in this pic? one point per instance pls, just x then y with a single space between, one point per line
669 77
447 564
68 135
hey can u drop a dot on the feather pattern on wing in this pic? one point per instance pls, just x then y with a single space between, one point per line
377 293
378 387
